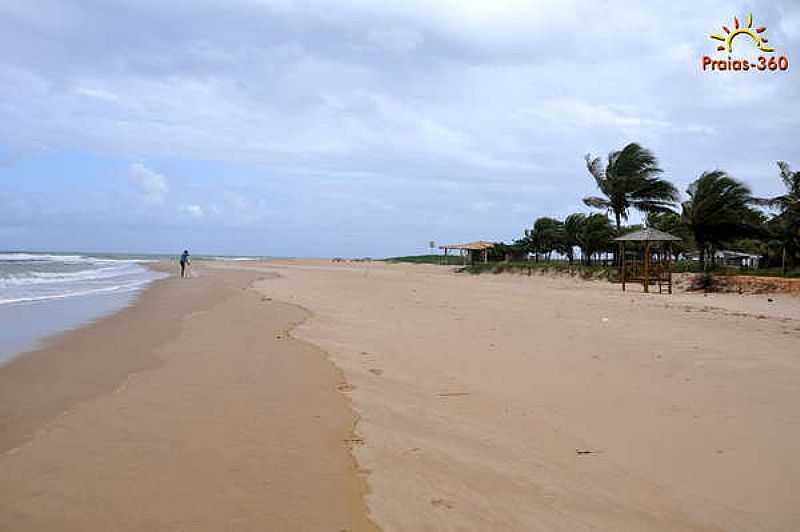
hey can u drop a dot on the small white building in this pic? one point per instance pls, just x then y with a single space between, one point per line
737 259
732 259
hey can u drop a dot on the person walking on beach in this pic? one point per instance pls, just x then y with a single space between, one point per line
184 262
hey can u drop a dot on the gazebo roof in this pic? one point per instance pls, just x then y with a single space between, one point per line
477 245
648 234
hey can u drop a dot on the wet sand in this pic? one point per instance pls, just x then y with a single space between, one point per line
193 409
502 402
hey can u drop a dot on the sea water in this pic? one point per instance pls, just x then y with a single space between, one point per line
44 294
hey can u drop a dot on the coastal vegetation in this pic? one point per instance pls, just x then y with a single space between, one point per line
719 209
453 260
631 179
719 222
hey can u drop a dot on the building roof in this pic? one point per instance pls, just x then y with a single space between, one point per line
647 234
724 253
478 245
736 254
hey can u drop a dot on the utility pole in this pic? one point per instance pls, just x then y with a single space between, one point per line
783 262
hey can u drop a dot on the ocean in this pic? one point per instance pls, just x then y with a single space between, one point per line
44 294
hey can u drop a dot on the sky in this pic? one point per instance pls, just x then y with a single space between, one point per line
363 127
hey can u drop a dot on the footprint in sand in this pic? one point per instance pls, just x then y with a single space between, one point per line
376 371
367 357
442 503
345 388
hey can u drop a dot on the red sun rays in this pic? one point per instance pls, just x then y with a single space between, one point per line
736 26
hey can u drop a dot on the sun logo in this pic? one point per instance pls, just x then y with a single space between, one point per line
755 34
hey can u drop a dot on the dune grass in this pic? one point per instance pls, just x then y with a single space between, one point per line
428 259
575 269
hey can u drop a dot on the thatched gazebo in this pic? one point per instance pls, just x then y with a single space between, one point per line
654 264
471 251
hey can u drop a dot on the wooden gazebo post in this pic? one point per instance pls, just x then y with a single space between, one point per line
646 266
622 250
669 265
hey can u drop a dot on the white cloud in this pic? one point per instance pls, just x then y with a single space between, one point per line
580 113
98 94
482 207
415 104
399 40
790 21
438 83
700 128
152 186
195 211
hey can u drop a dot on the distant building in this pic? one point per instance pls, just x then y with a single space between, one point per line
472 252
732 259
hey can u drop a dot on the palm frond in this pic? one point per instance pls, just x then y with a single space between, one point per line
597 202
595 167
790 179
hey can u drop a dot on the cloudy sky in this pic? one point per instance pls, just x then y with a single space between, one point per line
362 127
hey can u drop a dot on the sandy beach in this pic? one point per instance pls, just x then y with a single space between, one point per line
515 403
193 409
416 266
492 402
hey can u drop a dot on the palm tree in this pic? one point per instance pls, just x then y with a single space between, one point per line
718 210
791 180
630 180
787 221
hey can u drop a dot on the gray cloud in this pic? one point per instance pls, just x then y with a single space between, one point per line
151 185
468 117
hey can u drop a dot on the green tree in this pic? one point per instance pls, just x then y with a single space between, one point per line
594 236
718 210
671 222
785 227
788 203
573 225
547 236
502 251
631 179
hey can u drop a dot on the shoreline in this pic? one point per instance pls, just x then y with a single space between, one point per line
33 320
188 370
43 365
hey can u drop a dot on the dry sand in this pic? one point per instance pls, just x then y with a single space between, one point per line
192 410
485 403
529 403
